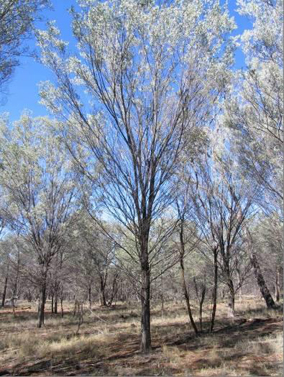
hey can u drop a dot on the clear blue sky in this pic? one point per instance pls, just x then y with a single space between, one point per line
23 87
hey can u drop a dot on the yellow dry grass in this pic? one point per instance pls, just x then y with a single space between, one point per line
108 343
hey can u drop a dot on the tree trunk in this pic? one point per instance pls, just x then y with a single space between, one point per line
90 296
277 285
183 282
261 283
203 292
102 294
231 298
114 290
5 291
42 301
16 283
52 306
56 299
214 291
186 297
61 302
145 306
29 296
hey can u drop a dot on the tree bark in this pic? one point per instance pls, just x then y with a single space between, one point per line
145 306
5 291
56 301
16 283
52 302
90 296
61 302
186 297
203 292
215 288
231 298
102 294
277 285
261 282
183 282
5 284
114 290
42 300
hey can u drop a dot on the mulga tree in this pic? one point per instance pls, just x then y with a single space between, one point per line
254 108
222 207
253 112
147 69
99 250
265 241
39 188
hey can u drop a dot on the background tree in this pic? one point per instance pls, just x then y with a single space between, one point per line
222 204
254 109
39 189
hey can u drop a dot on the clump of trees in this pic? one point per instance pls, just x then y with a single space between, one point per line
142 185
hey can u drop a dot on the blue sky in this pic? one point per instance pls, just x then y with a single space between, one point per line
23 87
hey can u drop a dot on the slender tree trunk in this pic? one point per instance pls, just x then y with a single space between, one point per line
15 288
5 284
61 303
52 307
90 296
145 306
42 300
5 291
42 306
261 283
186 296
114 290
203 292
277 285
102 294
240 286
56 299
215 288
231 298
183 282
29 296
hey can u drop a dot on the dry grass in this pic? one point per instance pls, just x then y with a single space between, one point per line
108 343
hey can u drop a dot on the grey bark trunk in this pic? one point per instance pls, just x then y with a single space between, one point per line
203 292
231 298
277 285
261 283
56 302
186 297
215 287
5 291
145 309
62 312
42 301
102 294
